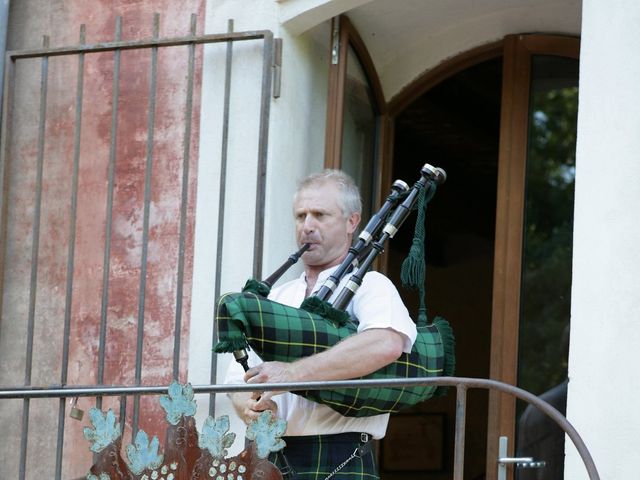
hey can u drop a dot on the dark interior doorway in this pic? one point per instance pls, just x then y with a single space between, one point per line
455 125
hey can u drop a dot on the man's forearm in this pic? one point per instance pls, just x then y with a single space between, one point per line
355 356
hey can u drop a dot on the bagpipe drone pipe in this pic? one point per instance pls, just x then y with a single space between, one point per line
277 332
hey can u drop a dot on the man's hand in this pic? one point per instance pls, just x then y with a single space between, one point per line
249 407
270 372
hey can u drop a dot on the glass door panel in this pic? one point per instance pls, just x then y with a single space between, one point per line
354 105
359 131
533 246
546 260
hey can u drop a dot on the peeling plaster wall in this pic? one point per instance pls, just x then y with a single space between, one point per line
29 20
295 149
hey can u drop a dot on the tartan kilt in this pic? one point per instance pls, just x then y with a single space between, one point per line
282 333
314 457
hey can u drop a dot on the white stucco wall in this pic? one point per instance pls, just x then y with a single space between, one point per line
407 38
296 148
604 353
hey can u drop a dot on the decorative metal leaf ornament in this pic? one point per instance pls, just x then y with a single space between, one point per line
214 436
179 402
105 431
188 454
266 433
144 455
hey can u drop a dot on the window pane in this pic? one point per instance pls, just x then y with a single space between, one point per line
359 131
546 263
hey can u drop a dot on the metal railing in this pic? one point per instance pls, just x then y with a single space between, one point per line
30 114
461 385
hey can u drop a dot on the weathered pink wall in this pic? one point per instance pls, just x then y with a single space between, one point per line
61 20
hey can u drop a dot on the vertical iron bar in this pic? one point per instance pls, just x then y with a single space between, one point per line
5 155
106 264
71 253
183 202
145 222
221 202
265 103
34 256
461 418
123 413
5 166
277 67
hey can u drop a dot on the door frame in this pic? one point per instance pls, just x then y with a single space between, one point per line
507 271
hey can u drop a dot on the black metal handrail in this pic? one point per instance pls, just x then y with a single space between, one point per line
461 385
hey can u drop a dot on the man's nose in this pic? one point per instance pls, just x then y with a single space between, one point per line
309 224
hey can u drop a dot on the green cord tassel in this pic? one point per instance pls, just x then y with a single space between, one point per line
413 271
414 266
413 274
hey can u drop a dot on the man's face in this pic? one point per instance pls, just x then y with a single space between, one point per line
321 223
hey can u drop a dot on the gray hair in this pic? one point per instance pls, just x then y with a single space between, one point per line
349 200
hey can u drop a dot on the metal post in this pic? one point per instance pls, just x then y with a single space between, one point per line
35 250
184 200
461 419
221 201
70 254
261 182
151 120
4 27
109 220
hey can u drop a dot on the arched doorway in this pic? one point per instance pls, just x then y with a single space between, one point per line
501 120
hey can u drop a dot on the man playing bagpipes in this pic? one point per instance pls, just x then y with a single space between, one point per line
327 210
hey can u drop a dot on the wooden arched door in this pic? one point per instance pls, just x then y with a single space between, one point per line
510 200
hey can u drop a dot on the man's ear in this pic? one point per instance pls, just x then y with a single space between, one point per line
352 222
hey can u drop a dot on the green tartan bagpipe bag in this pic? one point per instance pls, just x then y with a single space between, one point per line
281 333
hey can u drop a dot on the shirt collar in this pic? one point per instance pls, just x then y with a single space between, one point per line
322 276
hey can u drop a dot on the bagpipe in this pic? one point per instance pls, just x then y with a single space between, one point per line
278 332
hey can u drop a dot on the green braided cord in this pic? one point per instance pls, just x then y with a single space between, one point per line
413 269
